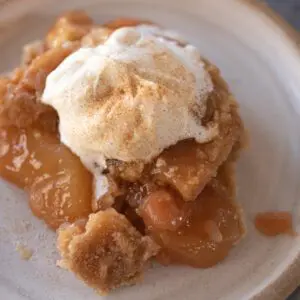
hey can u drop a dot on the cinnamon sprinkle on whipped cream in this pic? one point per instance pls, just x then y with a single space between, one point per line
131 97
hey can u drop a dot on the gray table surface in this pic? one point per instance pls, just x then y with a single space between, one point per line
290 10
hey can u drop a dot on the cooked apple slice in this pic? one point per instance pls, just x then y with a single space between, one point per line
213 228
60 187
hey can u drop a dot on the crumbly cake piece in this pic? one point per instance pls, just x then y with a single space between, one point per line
128 171
96 36
107 252
32 51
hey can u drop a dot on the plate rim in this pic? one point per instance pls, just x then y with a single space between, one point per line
261 7
287 282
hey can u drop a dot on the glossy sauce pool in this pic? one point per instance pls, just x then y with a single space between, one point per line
275 223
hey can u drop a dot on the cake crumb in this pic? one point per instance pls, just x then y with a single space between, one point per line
25 253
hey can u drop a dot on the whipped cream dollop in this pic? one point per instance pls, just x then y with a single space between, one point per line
131 97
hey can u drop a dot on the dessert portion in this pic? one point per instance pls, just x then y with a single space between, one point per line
106 252
126 140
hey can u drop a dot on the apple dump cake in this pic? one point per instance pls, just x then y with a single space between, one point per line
126 140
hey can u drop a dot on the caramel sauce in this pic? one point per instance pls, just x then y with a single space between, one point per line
274 223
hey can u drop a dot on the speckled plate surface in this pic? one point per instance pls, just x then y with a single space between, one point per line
259 58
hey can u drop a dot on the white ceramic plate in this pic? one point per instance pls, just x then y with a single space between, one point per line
260 61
